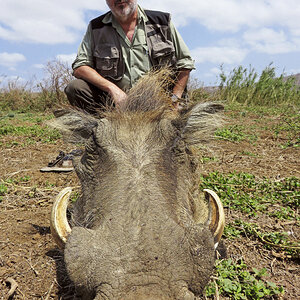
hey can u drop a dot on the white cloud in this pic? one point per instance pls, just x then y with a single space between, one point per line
213 72
55 21
231 15
10 60
38 66
270 41
219 55
48 22
68 58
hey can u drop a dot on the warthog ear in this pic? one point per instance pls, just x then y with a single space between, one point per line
198 124
75 125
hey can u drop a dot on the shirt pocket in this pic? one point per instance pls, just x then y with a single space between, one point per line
106 60
164 53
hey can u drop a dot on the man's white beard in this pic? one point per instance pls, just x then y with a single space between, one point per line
124 13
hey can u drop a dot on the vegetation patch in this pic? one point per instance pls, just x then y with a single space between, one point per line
28 126
246 86
288 131
276 241
234 133
248 194
235 281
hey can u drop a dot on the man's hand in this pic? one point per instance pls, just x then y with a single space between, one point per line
118 96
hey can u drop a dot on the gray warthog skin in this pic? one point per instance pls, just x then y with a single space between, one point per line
135 230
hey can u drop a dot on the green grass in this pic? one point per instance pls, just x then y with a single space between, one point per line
28 125
235 133
34 133
234 280
248 194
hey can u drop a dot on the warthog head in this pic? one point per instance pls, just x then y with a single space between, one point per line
140 229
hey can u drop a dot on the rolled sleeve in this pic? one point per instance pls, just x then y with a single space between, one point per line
84 55
184 59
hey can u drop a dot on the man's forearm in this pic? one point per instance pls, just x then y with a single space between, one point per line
181 82
92 76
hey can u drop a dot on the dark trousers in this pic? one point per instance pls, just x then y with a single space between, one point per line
87 97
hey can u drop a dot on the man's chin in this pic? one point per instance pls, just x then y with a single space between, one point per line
123 14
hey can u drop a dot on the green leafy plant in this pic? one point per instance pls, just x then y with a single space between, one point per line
3 190
234 133
205 159
233 280
248 153
74 196
248 194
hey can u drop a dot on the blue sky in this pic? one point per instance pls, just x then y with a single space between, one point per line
228 32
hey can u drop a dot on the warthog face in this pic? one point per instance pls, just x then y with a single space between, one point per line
140 230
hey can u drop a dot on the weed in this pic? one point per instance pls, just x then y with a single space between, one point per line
3 189
236 282
74 196
283 213
271 240
25 178
248 153
288 131
231 231
205 159
234 133
244 192
48 184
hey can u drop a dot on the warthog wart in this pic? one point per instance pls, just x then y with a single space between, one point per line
140 229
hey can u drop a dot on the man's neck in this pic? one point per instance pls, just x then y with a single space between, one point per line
128 25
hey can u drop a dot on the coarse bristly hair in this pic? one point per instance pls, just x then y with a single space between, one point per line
150 93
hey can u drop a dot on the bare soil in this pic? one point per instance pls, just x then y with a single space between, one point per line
29 255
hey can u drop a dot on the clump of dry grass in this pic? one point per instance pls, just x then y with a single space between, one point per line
16 94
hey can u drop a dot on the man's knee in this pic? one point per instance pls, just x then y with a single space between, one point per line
75 87
78 91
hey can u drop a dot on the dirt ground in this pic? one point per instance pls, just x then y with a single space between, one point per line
29 255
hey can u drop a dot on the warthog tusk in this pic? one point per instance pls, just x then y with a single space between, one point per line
59 225
217 216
